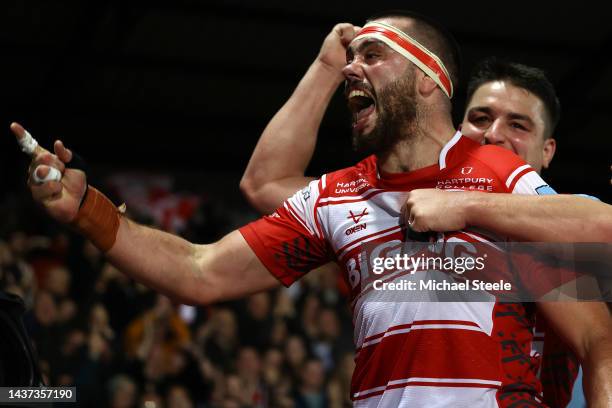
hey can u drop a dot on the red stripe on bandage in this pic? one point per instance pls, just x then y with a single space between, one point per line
414 50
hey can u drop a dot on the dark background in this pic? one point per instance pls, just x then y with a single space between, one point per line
188 86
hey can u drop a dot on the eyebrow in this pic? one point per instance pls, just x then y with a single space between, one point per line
511 115
364 44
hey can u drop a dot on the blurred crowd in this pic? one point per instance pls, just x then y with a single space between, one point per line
123 345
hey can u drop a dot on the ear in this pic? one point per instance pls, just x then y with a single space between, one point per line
548 151
425 85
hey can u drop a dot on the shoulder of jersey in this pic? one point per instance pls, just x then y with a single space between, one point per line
501 160
350 180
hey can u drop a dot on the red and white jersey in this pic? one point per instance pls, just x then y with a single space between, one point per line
417 353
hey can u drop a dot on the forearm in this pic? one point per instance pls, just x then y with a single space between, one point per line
161 261
190 273
597 368
587 328
288 142
553 218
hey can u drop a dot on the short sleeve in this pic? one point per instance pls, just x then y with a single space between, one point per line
288 242
517 176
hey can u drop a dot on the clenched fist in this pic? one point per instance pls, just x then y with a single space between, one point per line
333 50
435 210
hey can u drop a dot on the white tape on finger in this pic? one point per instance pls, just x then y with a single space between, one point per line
53 175
27 143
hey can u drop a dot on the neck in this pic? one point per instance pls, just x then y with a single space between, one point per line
419 148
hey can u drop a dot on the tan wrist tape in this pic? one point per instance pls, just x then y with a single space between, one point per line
98 219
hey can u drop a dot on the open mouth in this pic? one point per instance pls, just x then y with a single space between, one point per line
361 105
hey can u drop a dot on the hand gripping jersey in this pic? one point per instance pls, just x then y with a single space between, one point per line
417 353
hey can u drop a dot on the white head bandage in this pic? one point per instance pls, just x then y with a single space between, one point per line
410 48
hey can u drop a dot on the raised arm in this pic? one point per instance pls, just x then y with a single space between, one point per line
193 274
182 270
277 165
549 218
588 331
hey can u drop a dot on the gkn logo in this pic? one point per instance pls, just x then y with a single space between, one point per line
357 217
356 228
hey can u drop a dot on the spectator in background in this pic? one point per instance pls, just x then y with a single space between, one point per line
325 347
248 367
232 392
160 328
57 281
94 366
150 398
16 276
99 322
178 397
41 323
256 322
272 367
309 322
339 387
295 356
311 392
124 299
278 333
219 338
122 392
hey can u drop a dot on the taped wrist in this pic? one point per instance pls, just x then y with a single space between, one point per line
98 219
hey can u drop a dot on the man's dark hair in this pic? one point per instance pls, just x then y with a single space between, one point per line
433 36
531 79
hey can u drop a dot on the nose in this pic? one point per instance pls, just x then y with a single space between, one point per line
494 134
353 71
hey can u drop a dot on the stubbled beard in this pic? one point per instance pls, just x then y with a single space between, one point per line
396 106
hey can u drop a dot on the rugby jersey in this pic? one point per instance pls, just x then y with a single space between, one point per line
414 353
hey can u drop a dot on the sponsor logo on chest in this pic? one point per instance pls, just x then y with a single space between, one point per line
466 179
356 216
351 187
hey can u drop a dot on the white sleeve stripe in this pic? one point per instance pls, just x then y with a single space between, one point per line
324 181
297 217
514 174
528 184
318 228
